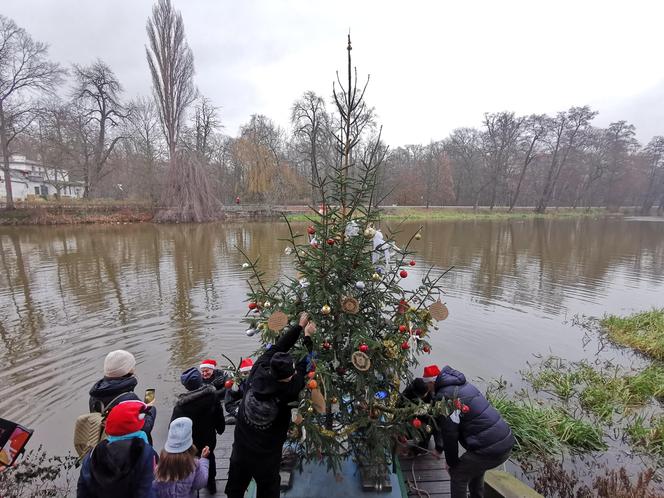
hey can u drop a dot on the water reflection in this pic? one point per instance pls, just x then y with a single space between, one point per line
175 294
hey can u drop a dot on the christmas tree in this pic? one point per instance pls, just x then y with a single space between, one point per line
370 328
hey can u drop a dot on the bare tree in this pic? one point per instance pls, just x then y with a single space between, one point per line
147 141
465 149
501 135
535 128
620 143
188 193
171 63
206 124
25 71
654 153
56 149
97 94
311 124
568 131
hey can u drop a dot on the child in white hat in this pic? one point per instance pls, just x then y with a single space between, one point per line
179 473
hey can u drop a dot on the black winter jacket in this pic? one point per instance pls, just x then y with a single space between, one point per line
232 399
106 389
266 387
482 430
120 469
203 407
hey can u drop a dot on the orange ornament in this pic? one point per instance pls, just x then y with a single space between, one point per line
312 384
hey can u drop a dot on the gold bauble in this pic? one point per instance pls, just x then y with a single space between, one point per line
369 232
418 236
325 310
375 277
310 409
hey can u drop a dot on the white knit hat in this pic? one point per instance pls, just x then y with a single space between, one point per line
179 436
118 363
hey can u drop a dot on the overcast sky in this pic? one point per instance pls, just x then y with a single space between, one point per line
434 65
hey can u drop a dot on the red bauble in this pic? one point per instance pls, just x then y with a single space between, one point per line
465 409
412 262
426 349
311 230
311 374
405 345
252 306
327 345
364 348
418 332
457 404
416 422
402 439
403 273
330 242
228 384
403 328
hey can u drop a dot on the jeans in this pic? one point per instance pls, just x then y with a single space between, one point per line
468 474
264 469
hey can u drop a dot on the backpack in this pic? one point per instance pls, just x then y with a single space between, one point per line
89 429
259 413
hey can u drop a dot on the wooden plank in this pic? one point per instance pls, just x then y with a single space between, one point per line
421 463
427 475
441 487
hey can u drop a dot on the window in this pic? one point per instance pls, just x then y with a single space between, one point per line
37 192
44 191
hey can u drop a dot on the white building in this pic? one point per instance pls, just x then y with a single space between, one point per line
30 178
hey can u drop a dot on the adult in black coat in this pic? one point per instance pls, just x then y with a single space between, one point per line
264 415
118 385
480 429
202 405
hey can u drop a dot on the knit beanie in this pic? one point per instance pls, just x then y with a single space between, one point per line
126 417
179 436
118 363
191 379
282 365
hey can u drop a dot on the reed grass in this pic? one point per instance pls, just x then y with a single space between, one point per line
643 331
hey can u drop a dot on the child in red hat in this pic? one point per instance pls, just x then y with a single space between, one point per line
421 390
235 393
123 463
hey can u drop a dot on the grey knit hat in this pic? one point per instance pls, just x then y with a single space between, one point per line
118 363
179 436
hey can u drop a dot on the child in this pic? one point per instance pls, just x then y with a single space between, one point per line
122 464
179 473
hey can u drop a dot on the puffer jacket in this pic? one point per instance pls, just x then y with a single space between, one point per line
107 389
187 487
481 430
203 407
123 468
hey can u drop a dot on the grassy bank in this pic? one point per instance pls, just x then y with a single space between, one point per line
452 214
82 215
643 332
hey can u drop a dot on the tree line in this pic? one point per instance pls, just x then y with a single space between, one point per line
170 148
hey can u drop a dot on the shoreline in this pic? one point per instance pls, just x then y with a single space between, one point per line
122 213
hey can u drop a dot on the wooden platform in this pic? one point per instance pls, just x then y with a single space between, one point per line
423 472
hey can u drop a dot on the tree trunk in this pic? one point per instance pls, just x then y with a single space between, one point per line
5 161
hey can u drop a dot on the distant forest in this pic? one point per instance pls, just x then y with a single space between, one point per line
80 120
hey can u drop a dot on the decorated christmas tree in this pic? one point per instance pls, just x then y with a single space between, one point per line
371 327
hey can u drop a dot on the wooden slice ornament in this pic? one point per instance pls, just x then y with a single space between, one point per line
277 321
438 311
318 401
350 305
360 361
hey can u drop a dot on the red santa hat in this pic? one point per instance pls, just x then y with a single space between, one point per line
430 373
246 364
126 417
208 364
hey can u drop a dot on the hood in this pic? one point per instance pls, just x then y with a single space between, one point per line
108 387
112 463
262 381
200 400
450 377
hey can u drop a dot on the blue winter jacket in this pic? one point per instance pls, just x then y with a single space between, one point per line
481 430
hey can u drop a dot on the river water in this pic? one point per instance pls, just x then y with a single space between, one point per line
174 295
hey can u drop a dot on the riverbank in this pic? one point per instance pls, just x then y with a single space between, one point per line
113 212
